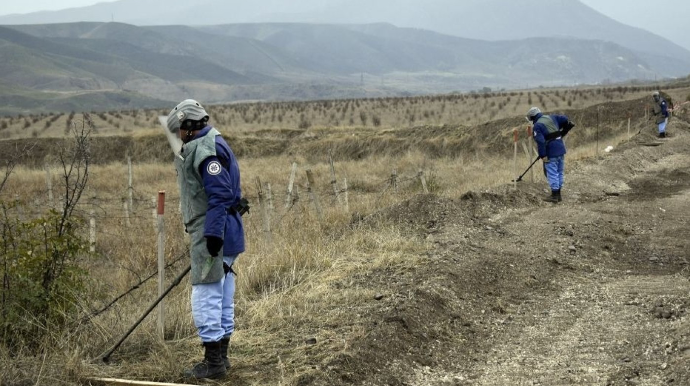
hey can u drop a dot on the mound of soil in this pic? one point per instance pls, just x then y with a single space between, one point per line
519 291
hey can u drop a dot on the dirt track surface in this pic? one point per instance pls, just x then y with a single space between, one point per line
516 291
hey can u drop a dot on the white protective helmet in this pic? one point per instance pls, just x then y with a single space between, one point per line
533 112
656 95
188 109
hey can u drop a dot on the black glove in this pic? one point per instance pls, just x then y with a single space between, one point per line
214 245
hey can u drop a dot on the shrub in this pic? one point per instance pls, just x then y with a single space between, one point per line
41 277
39 263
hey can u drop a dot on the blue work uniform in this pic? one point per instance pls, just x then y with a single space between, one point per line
209 180
551 147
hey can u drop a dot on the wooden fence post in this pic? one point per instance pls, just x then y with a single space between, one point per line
628 126
264 211
530 135
19 208
49 185
288 198
421 177
130 188
334 183
126 208
345 196
598 108
526 151
92 223
394 180
515 146
161 260
269 194
92 231
312 194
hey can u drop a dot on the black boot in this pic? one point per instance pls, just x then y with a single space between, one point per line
662 135
224 345
558 195
212 366
555 194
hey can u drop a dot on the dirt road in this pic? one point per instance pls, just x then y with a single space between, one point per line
516 291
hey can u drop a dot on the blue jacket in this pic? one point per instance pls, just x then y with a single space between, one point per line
221 179
549 148
664 107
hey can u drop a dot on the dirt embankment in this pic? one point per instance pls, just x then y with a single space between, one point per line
517 291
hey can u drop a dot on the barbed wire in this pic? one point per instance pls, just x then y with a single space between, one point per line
141 282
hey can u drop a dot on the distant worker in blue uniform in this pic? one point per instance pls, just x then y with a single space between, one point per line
661 113
549 131
209 180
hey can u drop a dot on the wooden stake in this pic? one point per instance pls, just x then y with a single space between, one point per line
269 194
345 197
130 189
160 212
334 183
394 180
312 195
288 199
92 231
421 178
126 208
628 127
20 209
264 211
515 171
530 135
127 382
49 184
526 151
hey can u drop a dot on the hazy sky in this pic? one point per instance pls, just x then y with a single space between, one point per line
10 7
666 18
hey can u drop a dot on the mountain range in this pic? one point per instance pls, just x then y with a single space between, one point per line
474 19
153 62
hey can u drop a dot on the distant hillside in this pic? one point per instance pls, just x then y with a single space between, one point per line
277 61
476 19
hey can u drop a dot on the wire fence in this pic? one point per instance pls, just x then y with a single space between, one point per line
130 210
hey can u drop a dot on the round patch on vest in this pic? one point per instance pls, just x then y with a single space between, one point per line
213 168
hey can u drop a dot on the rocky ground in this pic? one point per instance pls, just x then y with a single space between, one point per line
516 291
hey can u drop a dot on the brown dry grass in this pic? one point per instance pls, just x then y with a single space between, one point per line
285 288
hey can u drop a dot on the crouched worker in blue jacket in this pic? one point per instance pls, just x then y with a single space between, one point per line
549 131
209 179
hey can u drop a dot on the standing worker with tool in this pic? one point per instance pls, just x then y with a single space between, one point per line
548 134
661 113
209 179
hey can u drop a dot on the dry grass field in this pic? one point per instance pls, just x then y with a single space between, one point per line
298 278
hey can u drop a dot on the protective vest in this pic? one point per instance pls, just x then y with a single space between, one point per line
194 202
553 131
658 111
